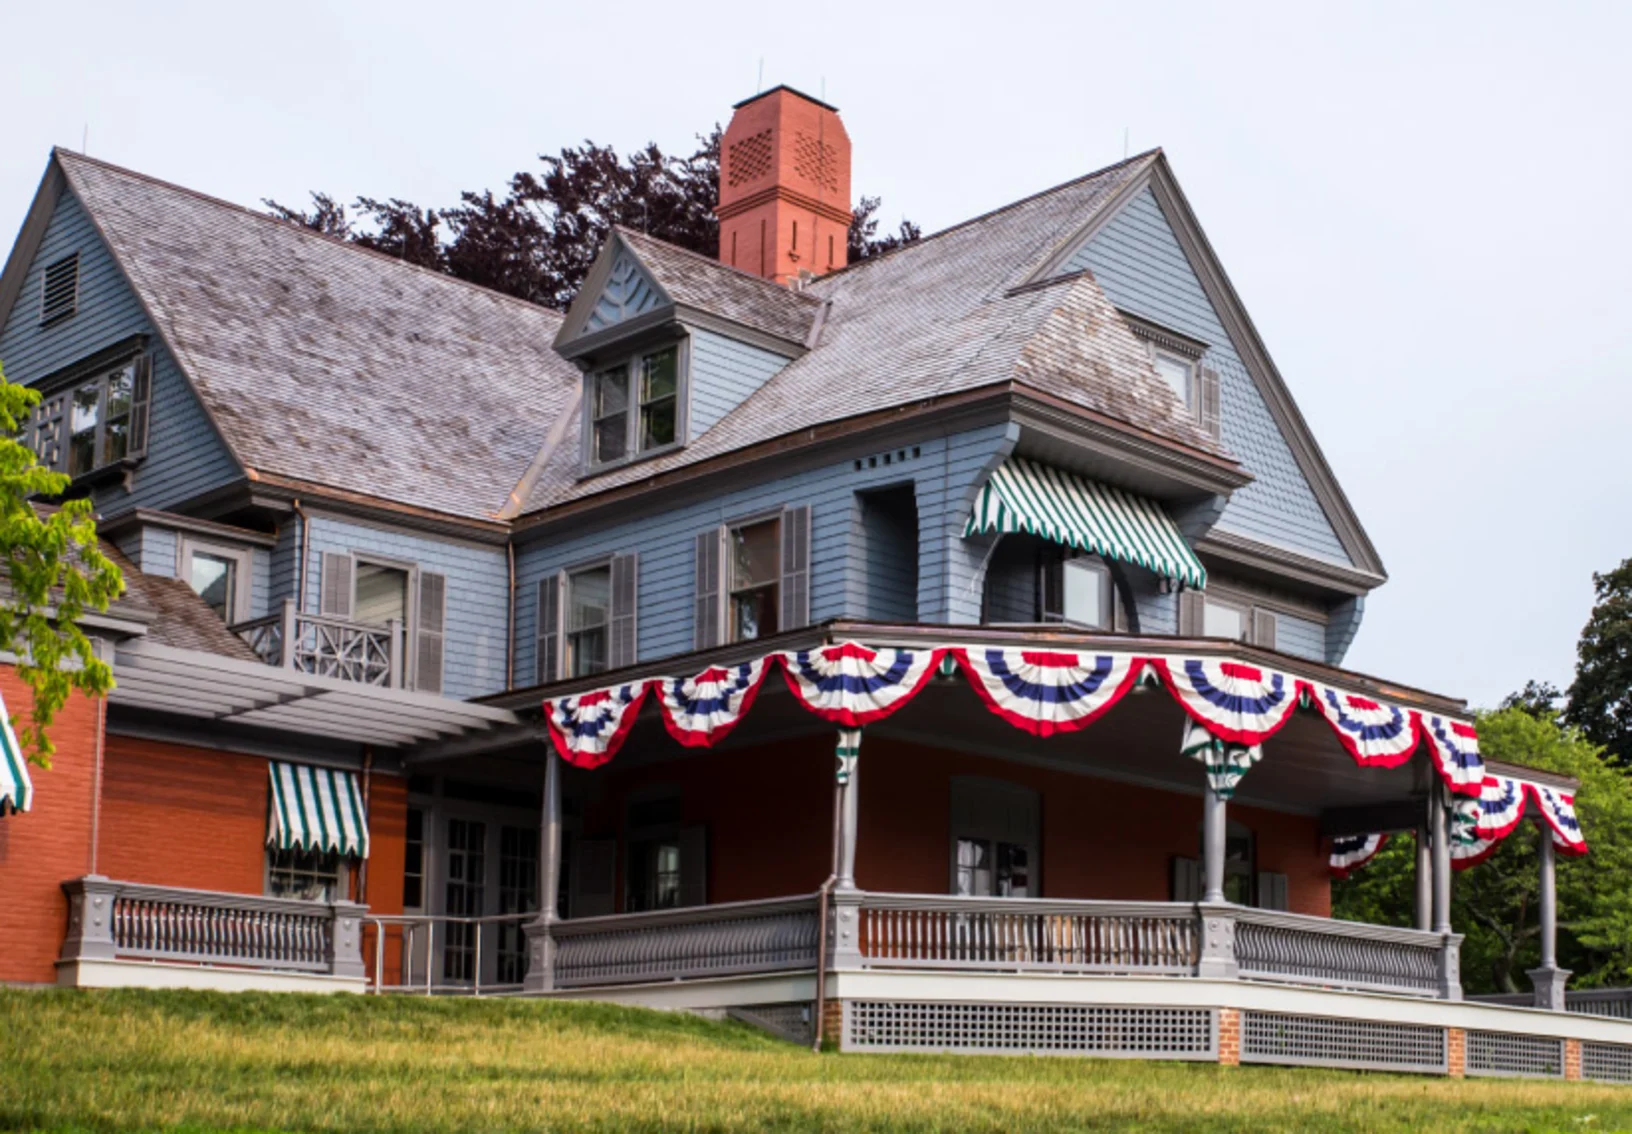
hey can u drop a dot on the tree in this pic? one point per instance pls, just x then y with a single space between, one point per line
1601 695
55 571
537 240
1494 903
1540 699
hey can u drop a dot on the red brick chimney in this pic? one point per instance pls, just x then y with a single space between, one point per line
784 187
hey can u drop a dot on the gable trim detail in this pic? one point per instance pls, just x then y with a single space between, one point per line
576 323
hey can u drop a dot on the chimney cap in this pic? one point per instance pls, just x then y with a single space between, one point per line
790 90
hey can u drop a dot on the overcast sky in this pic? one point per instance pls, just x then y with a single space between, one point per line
1424 207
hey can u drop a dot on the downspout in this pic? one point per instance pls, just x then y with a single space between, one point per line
368 783
96 789
300 568
822 897
510 622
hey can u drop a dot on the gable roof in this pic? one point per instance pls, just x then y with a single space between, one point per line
325 364
696 284
947 314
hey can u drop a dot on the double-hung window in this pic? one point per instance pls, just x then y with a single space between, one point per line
95 422
589 614
755 575
634 406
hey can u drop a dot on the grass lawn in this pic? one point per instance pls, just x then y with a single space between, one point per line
204 1061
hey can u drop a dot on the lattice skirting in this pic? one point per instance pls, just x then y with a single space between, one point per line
1031 1029
1269 1037
1501 1053
1606 1062
791 1022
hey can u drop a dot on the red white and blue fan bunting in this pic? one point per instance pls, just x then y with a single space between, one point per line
1455 747
1376 735
1351 853
1501 806
1468 846
699 711
1045 692
589 728
1227 763
1243 704
852 685
1558 810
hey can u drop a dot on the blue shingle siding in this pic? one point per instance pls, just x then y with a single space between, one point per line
1158 611
723 373
1138 262
185 455
158 551
260 582
282 563
1342 624
478 592
1300 637
945 475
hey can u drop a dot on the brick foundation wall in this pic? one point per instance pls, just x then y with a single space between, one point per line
1229 1037
51 842
1572 1060
1456 1052
832 1021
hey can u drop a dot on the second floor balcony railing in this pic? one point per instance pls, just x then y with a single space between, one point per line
327 646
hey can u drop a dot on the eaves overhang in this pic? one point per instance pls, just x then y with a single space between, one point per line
589 350
1279 564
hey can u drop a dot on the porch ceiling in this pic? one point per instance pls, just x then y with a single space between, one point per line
196 684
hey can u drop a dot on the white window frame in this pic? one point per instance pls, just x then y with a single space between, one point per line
243 560
631 367
728 588
603 563
1243 609
1158 354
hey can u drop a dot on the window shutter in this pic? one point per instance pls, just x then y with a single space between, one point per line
1192 614
706 626
59 289
334 598
1271 891
624 647
547 629
694 866
594 877
48 430
1187 879
1209 399
795 586
429 635
141 398
1263 628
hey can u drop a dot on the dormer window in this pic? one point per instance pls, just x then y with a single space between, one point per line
1179 372
634 406
94 422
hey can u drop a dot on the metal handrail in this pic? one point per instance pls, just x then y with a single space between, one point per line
412 923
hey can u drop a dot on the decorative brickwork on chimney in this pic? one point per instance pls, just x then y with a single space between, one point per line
784 187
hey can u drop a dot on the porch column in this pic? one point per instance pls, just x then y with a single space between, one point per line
1441 839
1549 980
1424 877
1212 846
848 752
540 935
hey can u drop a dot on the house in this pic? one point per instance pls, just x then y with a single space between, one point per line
940 652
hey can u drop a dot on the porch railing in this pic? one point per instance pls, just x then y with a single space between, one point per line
1613 1002
110 920
729 939
1294 947
439 954
327 646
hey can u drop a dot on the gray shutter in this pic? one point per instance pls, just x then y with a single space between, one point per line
624 647
1271 890
1209 399
706 625
547 630
795 586
694 866
335 596
594 877
1263 628
429 635
141 397
48 431
1192 614
1187 879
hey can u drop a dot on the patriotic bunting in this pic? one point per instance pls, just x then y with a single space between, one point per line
852 685
1455 747
1045 692
1501 806
699 711
847 752
1469 847
1558 810
589 728
1376 735
1243 704
1351 853
1227 763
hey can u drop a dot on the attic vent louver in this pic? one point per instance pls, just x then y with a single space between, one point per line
60 295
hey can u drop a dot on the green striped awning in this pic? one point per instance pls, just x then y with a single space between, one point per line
316 809
16 790
1024 496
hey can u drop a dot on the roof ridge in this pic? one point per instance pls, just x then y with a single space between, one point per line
58 153
1149 154
625 230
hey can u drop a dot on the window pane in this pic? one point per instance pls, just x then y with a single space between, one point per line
82 418
1177 372
589 596
1013 873
382 594
660 375
1222 621
120 383
586 652
1085 586
611 414
306 875
657 424
612 437
975 868
753 613
755 554
611 392
213 577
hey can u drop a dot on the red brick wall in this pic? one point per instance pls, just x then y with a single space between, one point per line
50 843
769 813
